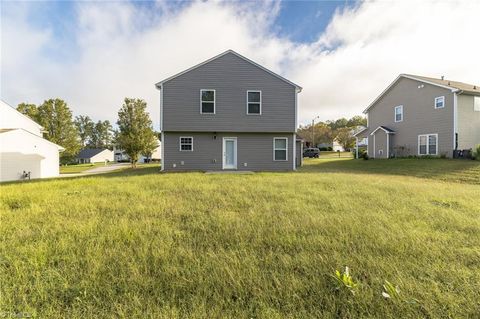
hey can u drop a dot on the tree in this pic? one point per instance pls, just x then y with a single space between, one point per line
102 135
344 137
356 121
135 134
85 128
149 149
56 118
29 110
342 122
322 133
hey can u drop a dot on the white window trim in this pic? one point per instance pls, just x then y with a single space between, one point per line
439 98
180 143
214 101
395 113
280 149
476 107
428 137
248 113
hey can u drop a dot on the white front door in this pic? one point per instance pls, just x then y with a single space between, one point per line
229 153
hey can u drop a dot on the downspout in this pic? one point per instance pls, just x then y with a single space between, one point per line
356 147
455 118
159 86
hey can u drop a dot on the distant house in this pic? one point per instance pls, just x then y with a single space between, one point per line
24 153
336 146
229 113
417 115
121 156
95 155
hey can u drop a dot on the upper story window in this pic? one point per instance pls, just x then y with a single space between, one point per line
254 102
476 103
440 102
207 101
399 113
186 143
280 146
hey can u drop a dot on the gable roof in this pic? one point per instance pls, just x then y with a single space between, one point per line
363 129
90 152
23 131
159 84
5 104
465 87
453 86
384 128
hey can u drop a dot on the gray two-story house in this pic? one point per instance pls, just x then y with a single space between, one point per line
229 113
418 116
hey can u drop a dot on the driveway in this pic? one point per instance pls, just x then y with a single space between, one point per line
105 169
98 170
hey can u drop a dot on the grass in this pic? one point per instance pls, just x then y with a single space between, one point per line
139 244
459 171
78 168
332 154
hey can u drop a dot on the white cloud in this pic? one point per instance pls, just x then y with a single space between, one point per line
122 50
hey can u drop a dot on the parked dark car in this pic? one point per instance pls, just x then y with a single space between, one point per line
311 152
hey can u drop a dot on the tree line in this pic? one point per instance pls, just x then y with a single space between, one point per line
135 134
341 130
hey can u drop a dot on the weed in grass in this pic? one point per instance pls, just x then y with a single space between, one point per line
17 203
345 281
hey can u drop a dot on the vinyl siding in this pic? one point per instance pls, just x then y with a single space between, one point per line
380 144
419 117
468 122
231 77
255 149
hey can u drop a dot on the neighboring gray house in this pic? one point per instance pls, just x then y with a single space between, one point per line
418 115
229 113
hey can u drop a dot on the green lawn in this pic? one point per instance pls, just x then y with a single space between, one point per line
78 168
332 154
140 244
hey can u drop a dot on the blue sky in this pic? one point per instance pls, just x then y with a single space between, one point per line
299 21
343 53
304 21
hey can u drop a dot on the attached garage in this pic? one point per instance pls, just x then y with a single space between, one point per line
25 155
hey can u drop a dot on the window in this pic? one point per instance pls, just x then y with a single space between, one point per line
476 103
428 144
399 113
186 143
440 102
254 102
207 101
280 145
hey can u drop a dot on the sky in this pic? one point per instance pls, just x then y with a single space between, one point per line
93 54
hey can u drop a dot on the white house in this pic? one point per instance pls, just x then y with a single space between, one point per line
120 155
24 153
336 146
95 155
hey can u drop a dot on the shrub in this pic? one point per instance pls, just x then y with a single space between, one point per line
362 153
476 152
